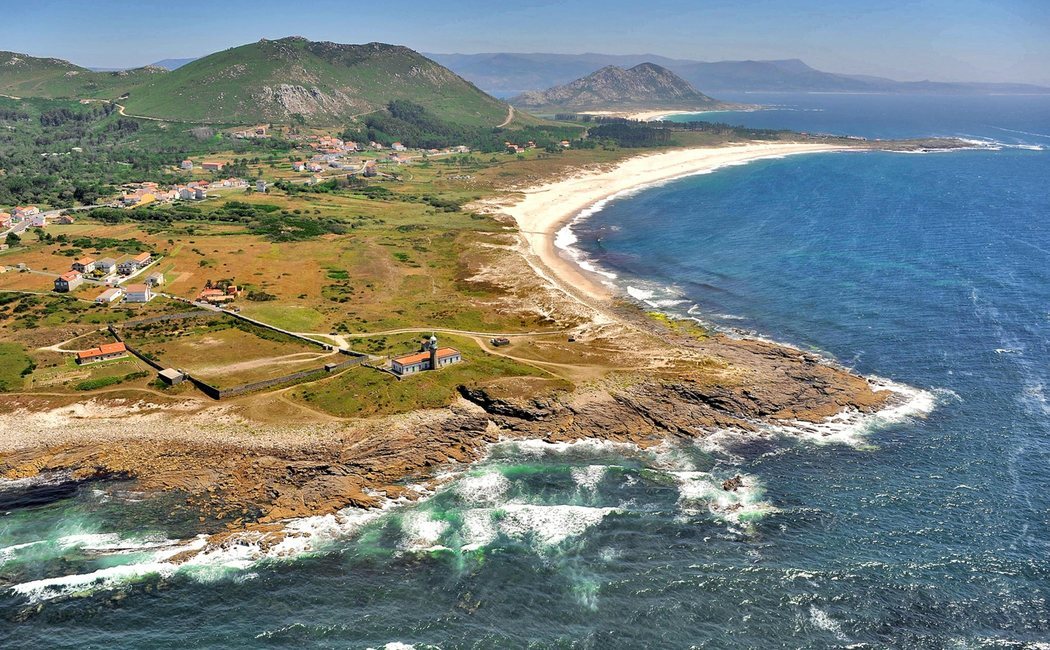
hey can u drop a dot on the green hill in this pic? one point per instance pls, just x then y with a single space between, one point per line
325 83
22 75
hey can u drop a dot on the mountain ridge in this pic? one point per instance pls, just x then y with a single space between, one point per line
279 80
510 73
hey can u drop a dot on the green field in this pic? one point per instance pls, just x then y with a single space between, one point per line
13 362
363 392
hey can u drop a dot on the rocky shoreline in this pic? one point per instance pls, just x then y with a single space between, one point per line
241 486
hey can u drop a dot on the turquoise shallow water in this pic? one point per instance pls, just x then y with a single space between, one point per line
929 527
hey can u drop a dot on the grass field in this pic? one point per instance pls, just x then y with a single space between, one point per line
363 392
13 362
223 352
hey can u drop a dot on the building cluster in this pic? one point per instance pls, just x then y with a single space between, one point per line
258 131
110 272
139 194
218 295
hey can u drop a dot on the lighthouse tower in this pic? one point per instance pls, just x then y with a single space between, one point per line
432 346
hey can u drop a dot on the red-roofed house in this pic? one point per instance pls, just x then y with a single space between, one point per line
430 357
84 265
103 352
68 281
211 165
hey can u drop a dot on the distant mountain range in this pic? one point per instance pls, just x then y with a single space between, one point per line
506 74
268 81
645 85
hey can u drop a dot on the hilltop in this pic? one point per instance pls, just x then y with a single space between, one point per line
289 79
22 75
324 83
645 85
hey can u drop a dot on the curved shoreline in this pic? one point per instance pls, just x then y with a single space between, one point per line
545 209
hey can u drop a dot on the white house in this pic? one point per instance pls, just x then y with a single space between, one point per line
138 293
109 295
106 265
84 265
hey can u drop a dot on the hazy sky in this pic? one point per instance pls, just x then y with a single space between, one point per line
950 40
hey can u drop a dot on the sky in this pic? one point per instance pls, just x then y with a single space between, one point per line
944 40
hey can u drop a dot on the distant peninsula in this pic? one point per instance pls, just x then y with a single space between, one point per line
645 85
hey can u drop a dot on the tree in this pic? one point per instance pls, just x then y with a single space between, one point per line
13 239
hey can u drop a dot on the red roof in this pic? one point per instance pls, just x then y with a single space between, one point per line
409 359
102 350
136 288
70 275
141 257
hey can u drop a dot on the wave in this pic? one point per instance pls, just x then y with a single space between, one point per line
851 427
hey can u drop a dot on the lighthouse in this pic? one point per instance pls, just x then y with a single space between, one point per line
432 347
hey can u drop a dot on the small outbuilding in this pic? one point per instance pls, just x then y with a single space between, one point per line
171 376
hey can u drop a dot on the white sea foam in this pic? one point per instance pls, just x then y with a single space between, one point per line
640 294
483 489
588 478
851 427
823 620
699 491
421 532
535 447
549 525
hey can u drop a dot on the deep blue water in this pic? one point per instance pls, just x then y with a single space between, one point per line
927 528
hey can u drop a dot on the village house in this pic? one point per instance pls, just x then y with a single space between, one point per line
84 264
104 352
109 295
68 281
260 185
65 219
298 165
216 296
155 279
187 165
430 357
208 165
138 293
38 220
23 212
106 265
5 220
397 146
127 267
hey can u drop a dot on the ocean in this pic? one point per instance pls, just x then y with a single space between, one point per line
925 527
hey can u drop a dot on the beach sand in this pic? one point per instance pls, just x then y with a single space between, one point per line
545 209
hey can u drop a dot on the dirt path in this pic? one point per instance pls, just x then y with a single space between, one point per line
510 117
226 369
423 330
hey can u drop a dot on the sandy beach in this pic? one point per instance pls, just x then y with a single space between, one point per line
544 209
